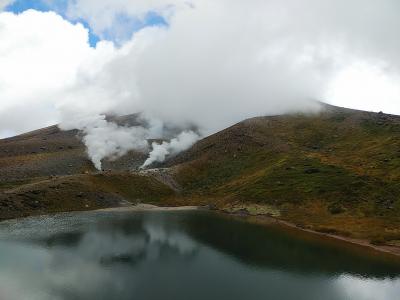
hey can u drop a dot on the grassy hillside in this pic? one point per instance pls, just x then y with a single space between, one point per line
47 170
337 171
50 151
80 192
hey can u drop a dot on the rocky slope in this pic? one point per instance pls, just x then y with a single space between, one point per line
50 151
47 170
337 171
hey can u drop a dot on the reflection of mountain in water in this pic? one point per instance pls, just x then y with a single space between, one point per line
177 255
131 238
275 248
126 240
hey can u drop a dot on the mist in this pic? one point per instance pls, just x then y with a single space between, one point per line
181 143
215 63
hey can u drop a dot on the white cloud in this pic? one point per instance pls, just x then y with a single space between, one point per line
40 54
366 87
42 59
4 3
217 61
105 15
221 61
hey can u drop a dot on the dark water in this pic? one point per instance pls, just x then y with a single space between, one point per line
180 255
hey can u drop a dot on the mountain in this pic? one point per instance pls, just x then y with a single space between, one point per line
50 151
47 170
337 171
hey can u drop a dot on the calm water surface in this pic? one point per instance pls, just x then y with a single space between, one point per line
180 255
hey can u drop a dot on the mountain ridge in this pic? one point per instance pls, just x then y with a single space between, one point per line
334 171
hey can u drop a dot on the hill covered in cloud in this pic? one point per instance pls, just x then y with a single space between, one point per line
204 64
335 171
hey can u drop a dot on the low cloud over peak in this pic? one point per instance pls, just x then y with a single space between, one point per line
213 63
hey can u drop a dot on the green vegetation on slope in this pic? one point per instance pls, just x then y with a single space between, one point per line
323 171
80 192
337 171
132 187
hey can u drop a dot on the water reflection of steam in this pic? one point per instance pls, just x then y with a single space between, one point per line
75 264
353 287
121 256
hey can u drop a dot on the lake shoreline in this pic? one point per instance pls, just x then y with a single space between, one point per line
262 219
151 207
268 220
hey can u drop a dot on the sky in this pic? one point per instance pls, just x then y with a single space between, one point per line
207 63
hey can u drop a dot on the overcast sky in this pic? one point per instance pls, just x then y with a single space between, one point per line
208 62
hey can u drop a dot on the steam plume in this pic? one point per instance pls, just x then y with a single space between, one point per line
217 62
182 142
105 139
